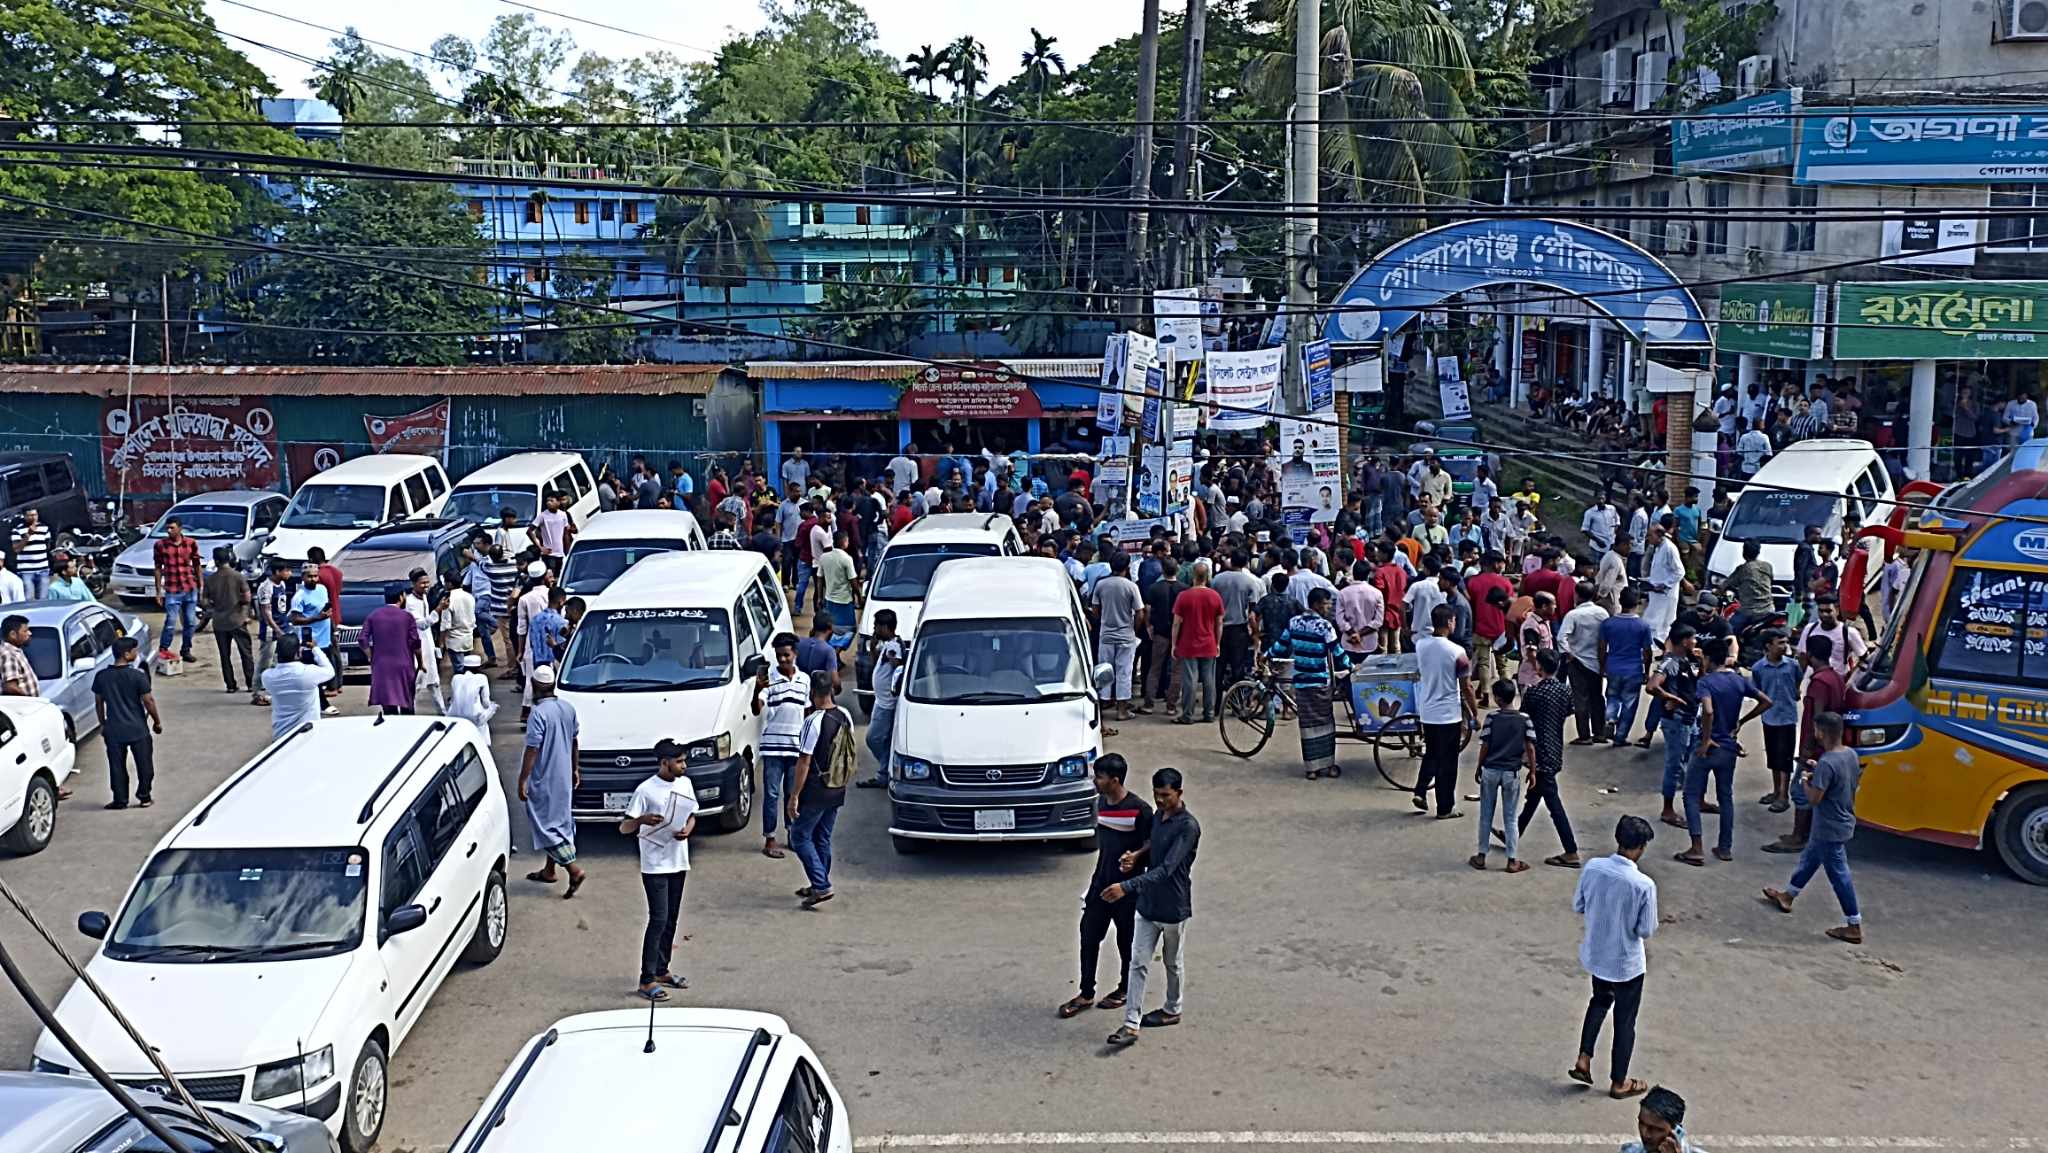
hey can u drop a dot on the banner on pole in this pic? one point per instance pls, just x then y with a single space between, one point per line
1141 353
1245 382
1322 379
424 433
1109 403
1311 476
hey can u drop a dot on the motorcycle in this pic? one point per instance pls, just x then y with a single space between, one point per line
95 553
1750 637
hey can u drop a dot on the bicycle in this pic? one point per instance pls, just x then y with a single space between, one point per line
1251 708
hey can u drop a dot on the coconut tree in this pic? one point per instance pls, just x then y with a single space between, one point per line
966 66
721 236
1041 63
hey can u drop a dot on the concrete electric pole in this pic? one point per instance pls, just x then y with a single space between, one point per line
1302 185
1138 255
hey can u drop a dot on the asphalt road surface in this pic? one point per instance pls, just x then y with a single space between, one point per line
1351 982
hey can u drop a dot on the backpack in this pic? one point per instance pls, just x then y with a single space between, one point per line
844 762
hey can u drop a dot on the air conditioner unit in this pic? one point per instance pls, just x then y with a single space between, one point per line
1753 75
1615 75
2029 20
1651 69
1706 81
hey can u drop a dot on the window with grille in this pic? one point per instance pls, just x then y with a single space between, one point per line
1717 219
2018 233
1657 228
1799 232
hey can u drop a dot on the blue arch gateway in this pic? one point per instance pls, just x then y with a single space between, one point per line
1633 288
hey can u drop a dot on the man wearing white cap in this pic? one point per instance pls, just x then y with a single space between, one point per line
469 694
547 777
531 604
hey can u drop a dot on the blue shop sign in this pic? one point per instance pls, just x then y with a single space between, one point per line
1926 145
1754 132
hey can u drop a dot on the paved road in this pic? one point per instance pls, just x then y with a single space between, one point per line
1351 982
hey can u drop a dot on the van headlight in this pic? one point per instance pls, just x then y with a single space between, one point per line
280 1078
1075 767
911 769
706 751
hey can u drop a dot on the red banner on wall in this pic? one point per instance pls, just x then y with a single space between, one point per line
304 458
978 391
191 444
424 432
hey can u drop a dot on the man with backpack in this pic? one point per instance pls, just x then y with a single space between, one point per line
825 765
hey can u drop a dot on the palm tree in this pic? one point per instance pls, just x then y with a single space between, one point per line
342 88
1402 63
966 65
719 237
1040 65
925 66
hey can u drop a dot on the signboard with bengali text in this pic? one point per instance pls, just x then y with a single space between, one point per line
192 444
1942 320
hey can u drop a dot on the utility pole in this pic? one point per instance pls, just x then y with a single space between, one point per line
170 409
1137 255
1302 188
1195 30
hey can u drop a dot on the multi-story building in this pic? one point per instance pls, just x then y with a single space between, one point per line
1840 150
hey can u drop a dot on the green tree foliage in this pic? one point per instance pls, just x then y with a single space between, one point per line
880 310
1716 37
722 241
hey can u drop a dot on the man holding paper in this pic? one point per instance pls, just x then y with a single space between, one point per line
662 814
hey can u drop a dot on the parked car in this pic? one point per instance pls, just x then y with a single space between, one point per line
241 519
284 937
35 761
46 1113
335 507
904 572
385 556
69 642
726 1079
520 482
44 481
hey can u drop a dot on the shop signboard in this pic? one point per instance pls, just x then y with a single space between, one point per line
1316 370
1926 145
1241 388
188 445
980 391
424 432
1773 319
1941 320
1754 132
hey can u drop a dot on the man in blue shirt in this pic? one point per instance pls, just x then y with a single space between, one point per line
1777 677
547 633
476 577
1721 693
1688 515
1619 903
1624 662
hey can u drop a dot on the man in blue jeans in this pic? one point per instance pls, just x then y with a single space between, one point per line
1675 684
1721 693
1830 787
780 696
177 585
888 657
1624 662
815 797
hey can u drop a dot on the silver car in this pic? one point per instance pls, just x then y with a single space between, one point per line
69 642
240 519
49 1113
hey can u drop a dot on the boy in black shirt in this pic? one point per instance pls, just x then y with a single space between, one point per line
1123 822
1506 748
128 718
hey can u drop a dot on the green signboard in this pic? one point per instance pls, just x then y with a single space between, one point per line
1773 319
1942 320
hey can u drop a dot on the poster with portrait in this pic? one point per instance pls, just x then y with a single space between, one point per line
1141 356
1112 487
1311 475
1109 403
1150 485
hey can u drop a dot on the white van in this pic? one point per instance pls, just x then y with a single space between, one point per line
1812 482
522 482
905 572
620 539
334 507
286 934
726 1079
671 650
1000 718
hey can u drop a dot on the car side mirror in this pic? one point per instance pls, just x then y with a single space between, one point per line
94 925
753 667
404 919
83 665
1104 673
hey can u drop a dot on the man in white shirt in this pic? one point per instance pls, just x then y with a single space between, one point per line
796 471
553 530
293 684
426 615
1578 635
469 694
1601 523
1664 575
661 816
13 589
531 604
1619 903
1752 448
1422 599
458 624
1443 700
2021 417
1612 576
1847 639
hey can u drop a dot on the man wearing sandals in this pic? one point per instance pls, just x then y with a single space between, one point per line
1123 825
547 776
1165 900
1619 904
660 817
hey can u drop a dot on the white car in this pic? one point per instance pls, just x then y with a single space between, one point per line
285 935
904 574
35 760
720 1080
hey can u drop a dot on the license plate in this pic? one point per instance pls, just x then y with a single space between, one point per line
994 820
617 802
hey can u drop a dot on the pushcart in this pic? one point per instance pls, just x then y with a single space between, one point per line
1381 705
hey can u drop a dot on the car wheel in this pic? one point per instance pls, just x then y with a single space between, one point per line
66 540
908 846
38 823
2021 833
362 1116
493 918
70 729
739 812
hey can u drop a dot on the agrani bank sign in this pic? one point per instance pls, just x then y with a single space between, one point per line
1925 145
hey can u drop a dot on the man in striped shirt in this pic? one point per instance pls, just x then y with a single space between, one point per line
503 572
32 554
781 695
1123 823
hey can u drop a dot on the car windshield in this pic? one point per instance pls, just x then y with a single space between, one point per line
995 662
1781 517
201 905
45 655
648 650
207 522
336 506
906 570
487 505
594 565
381 566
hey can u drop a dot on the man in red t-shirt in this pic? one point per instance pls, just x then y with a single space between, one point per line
899 513
1547 579
330 579
1491 594
1392 581
1197 639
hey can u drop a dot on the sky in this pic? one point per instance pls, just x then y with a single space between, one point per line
692 29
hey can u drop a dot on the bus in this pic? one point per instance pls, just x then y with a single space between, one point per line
1950 713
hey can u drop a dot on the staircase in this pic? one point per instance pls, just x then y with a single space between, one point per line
1568 486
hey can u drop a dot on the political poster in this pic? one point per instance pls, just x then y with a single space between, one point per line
1155 393
1241 388
1311 476
1450 389
192 444
1109 403
1150 486
424 432
1141 355
1112 486
306 458
1321 377
1180 477
1177 322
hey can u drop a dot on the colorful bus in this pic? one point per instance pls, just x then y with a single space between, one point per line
1950 714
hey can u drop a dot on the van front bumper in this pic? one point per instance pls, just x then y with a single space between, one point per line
924 810
716 783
